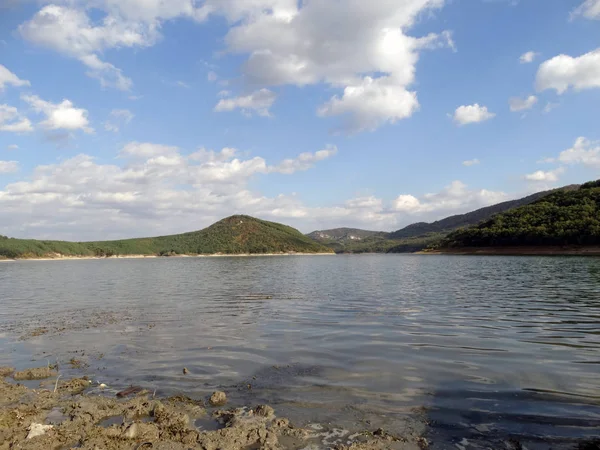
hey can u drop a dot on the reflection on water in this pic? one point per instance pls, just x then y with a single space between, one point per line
489 346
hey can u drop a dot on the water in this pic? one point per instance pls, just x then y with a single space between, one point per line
471 351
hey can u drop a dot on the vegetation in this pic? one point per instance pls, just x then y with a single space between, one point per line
417 236
562 218
233 235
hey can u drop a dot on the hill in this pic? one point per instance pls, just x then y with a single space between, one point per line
417 236
233 235
563 218
471 218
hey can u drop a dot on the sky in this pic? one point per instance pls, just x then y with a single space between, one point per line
128 118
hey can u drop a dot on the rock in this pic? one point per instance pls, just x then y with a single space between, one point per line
264 411
38 373
131 432
6 371
185 371
37 429
218 398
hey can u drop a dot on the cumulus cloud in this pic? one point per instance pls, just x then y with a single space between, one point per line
9 78
545 176
456 197
344 46
258 102
118 117
9 166
563 72
371 104
157 189
528 57
60 116
471 162
467 114
70 31
522 104
590 9
12 121
364 50
584 152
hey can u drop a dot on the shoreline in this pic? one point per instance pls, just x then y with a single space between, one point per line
216 255
82 413
517 251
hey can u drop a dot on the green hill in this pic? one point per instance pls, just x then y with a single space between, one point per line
233 235
564 218
417 236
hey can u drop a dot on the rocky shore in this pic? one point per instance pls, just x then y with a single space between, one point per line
76 413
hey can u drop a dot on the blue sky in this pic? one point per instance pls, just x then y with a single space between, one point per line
137 117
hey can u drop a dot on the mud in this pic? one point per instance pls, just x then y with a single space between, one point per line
142 422
38 373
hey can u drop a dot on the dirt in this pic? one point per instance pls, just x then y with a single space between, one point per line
144 422
38 373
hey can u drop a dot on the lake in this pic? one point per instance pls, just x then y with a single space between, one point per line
473 350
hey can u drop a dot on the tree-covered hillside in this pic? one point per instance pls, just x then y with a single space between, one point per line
562 218
233 235
417 236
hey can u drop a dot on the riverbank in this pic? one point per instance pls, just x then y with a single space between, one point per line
216 255
517 251
80 413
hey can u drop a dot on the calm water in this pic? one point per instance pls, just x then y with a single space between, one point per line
472 349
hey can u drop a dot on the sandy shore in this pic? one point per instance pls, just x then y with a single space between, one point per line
218 255
518 251
80 413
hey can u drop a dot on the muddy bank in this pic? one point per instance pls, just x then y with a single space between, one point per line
59 257
71 413
517 251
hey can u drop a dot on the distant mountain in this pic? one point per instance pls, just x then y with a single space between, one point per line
233 235
344 234
417 236
563 218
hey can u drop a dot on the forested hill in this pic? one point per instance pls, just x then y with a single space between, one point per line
471 218
559 219
233 235
417 236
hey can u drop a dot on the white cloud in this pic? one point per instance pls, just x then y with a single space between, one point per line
564 71
522 104
70 31
156 190
182 84
61 116
9 78
528 57
12 147
467 114
12 121
471 162
118 116
371 104
590 9
455 197
304 161
9 166
545 176
361 48
584 152
258 102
